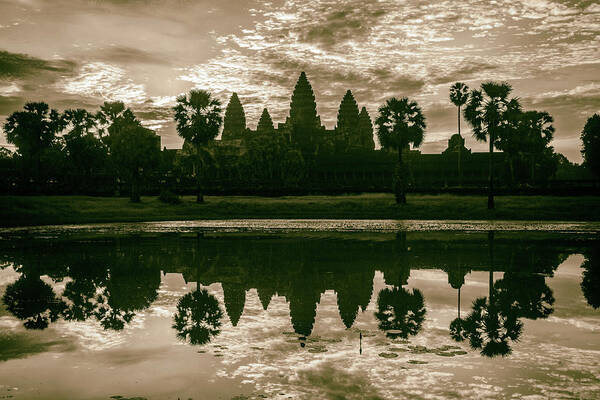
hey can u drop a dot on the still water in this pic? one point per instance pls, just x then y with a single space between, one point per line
364 310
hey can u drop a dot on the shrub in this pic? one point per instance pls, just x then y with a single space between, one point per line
167 196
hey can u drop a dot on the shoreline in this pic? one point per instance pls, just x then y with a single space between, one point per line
18 211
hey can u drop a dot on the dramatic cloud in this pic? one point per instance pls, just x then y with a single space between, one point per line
146 52
13 66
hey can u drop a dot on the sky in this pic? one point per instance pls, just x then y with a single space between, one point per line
79 53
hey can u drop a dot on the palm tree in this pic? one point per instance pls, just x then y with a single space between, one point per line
459 94
490 327
400 124
198 117
489 111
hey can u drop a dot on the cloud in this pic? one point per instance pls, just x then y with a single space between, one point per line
129 55
18 66
104 81
469 69
9 104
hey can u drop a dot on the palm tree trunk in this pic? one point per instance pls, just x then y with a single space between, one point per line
134 195
512 170
458 120
38 172
532 170
491 174
400 195
199 195
459 152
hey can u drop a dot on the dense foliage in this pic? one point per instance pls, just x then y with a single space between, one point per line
590 136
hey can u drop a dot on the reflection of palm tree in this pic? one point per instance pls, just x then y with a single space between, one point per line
400 313
456 278
492 324
198 317
114 295
491 260
526 294
82 299
32 300
488 327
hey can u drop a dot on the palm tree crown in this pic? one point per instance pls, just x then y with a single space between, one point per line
198 116
400 123
459 94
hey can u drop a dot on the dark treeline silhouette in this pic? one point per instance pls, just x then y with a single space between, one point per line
108 151
110 280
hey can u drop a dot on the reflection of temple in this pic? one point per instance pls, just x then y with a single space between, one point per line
297 268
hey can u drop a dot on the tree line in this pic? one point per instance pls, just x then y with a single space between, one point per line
80 143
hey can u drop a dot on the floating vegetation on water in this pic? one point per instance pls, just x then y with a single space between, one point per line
317 349
388 355
420 350
417 362
399 341
398 349
451 353
117 397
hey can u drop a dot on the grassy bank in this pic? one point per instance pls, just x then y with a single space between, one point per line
43 210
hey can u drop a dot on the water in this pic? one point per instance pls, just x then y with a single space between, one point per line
296 309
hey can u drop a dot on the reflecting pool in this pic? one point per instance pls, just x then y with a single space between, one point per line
227 312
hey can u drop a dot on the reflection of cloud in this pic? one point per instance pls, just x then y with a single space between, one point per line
337 383
16 345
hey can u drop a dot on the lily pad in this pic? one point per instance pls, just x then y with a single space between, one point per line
317 349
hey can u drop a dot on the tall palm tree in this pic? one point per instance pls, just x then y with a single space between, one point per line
459 94
400 124
489 111
198 118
